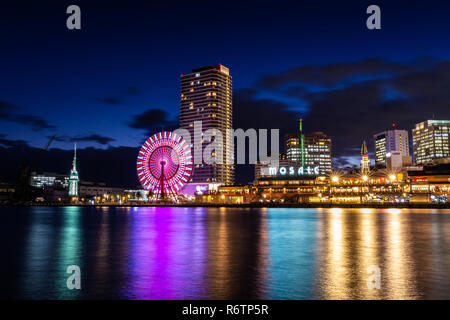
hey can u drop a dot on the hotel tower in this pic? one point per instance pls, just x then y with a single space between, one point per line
206 96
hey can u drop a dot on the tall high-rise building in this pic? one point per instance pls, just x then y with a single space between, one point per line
431 140
73 178
206 96
389 141
311 149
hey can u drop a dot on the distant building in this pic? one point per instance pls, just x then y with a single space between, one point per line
431 141
7 192
73 179
396 160
313 149
49 179
93 189
206 96
388 142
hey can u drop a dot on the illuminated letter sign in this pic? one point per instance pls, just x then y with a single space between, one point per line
292 171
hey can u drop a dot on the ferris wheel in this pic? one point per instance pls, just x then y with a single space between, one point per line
164 164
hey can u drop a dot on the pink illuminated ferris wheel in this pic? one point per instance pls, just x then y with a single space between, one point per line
164 164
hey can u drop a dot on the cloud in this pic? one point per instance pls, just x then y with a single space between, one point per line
332 74
6 109
110 101
12 143
252 112
134 91
36 123
93 138
380 93
153 120
8 113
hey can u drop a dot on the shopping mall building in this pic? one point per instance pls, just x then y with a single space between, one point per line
301 185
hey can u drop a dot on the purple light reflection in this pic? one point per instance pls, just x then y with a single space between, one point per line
168 255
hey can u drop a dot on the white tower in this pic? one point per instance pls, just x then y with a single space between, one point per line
365 161
73 179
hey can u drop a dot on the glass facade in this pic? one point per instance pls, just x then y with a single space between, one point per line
389 141
206 96
317 150
431 141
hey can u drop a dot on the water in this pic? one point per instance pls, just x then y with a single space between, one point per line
224 253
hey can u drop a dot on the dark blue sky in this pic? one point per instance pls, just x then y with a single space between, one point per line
89 85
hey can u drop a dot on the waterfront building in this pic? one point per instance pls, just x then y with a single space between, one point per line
89 189
206 96
395 160
313 149
286 168
421 185
431 141
430 184
388 142
378 188
49 179
73 178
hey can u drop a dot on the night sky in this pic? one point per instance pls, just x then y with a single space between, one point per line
110 84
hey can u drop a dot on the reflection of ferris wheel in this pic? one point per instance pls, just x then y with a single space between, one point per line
164 164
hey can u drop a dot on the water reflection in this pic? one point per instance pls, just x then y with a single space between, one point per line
291 253
227 253
54 242
399 264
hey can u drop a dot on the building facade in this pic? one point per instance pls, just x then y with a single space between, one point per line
49 179
206 96
431 141
313 149
419 185
389 141
94 189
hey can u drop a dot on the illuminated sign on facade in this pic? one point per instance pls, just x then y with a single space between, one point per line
293 171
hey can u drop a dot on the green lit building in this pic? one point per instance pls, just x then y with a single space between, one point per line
310 149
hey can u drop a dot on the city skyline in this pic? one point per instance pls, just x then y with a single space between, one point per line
109 98
207 152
